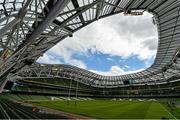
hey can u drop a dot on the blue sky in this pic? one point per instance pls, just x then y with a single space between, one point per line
112 46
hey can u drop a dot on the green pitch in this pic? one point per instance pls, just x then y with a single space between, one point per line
111 109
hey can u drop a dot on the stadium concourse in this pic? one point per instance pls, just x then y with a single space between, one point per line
28 28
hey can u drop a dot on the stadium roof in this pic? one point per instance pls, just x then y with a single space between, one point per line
28 28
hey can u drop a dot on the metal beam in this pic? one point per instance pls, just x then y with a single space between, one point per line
99 9
9 26
53 13
76 5
77 14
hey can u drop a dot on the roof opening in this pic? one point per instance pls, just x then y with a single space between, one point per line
114 45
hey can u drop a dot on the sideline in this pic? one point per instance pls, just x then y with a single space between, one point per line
168 111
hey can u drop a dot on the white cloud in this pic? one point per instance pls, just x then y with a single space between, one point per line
48 59
77 63
115 36
119 35
115 71
51 59
110 59
126 66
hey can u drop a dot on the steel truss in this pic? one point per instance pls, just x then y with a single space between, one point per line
28 28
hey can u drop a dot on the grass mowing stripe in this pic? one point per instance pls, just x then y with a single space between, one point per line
105 112
147 109
111 105
137 111
132 111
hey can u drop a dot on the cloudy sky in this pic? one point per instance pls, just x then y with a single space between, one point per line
111 46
